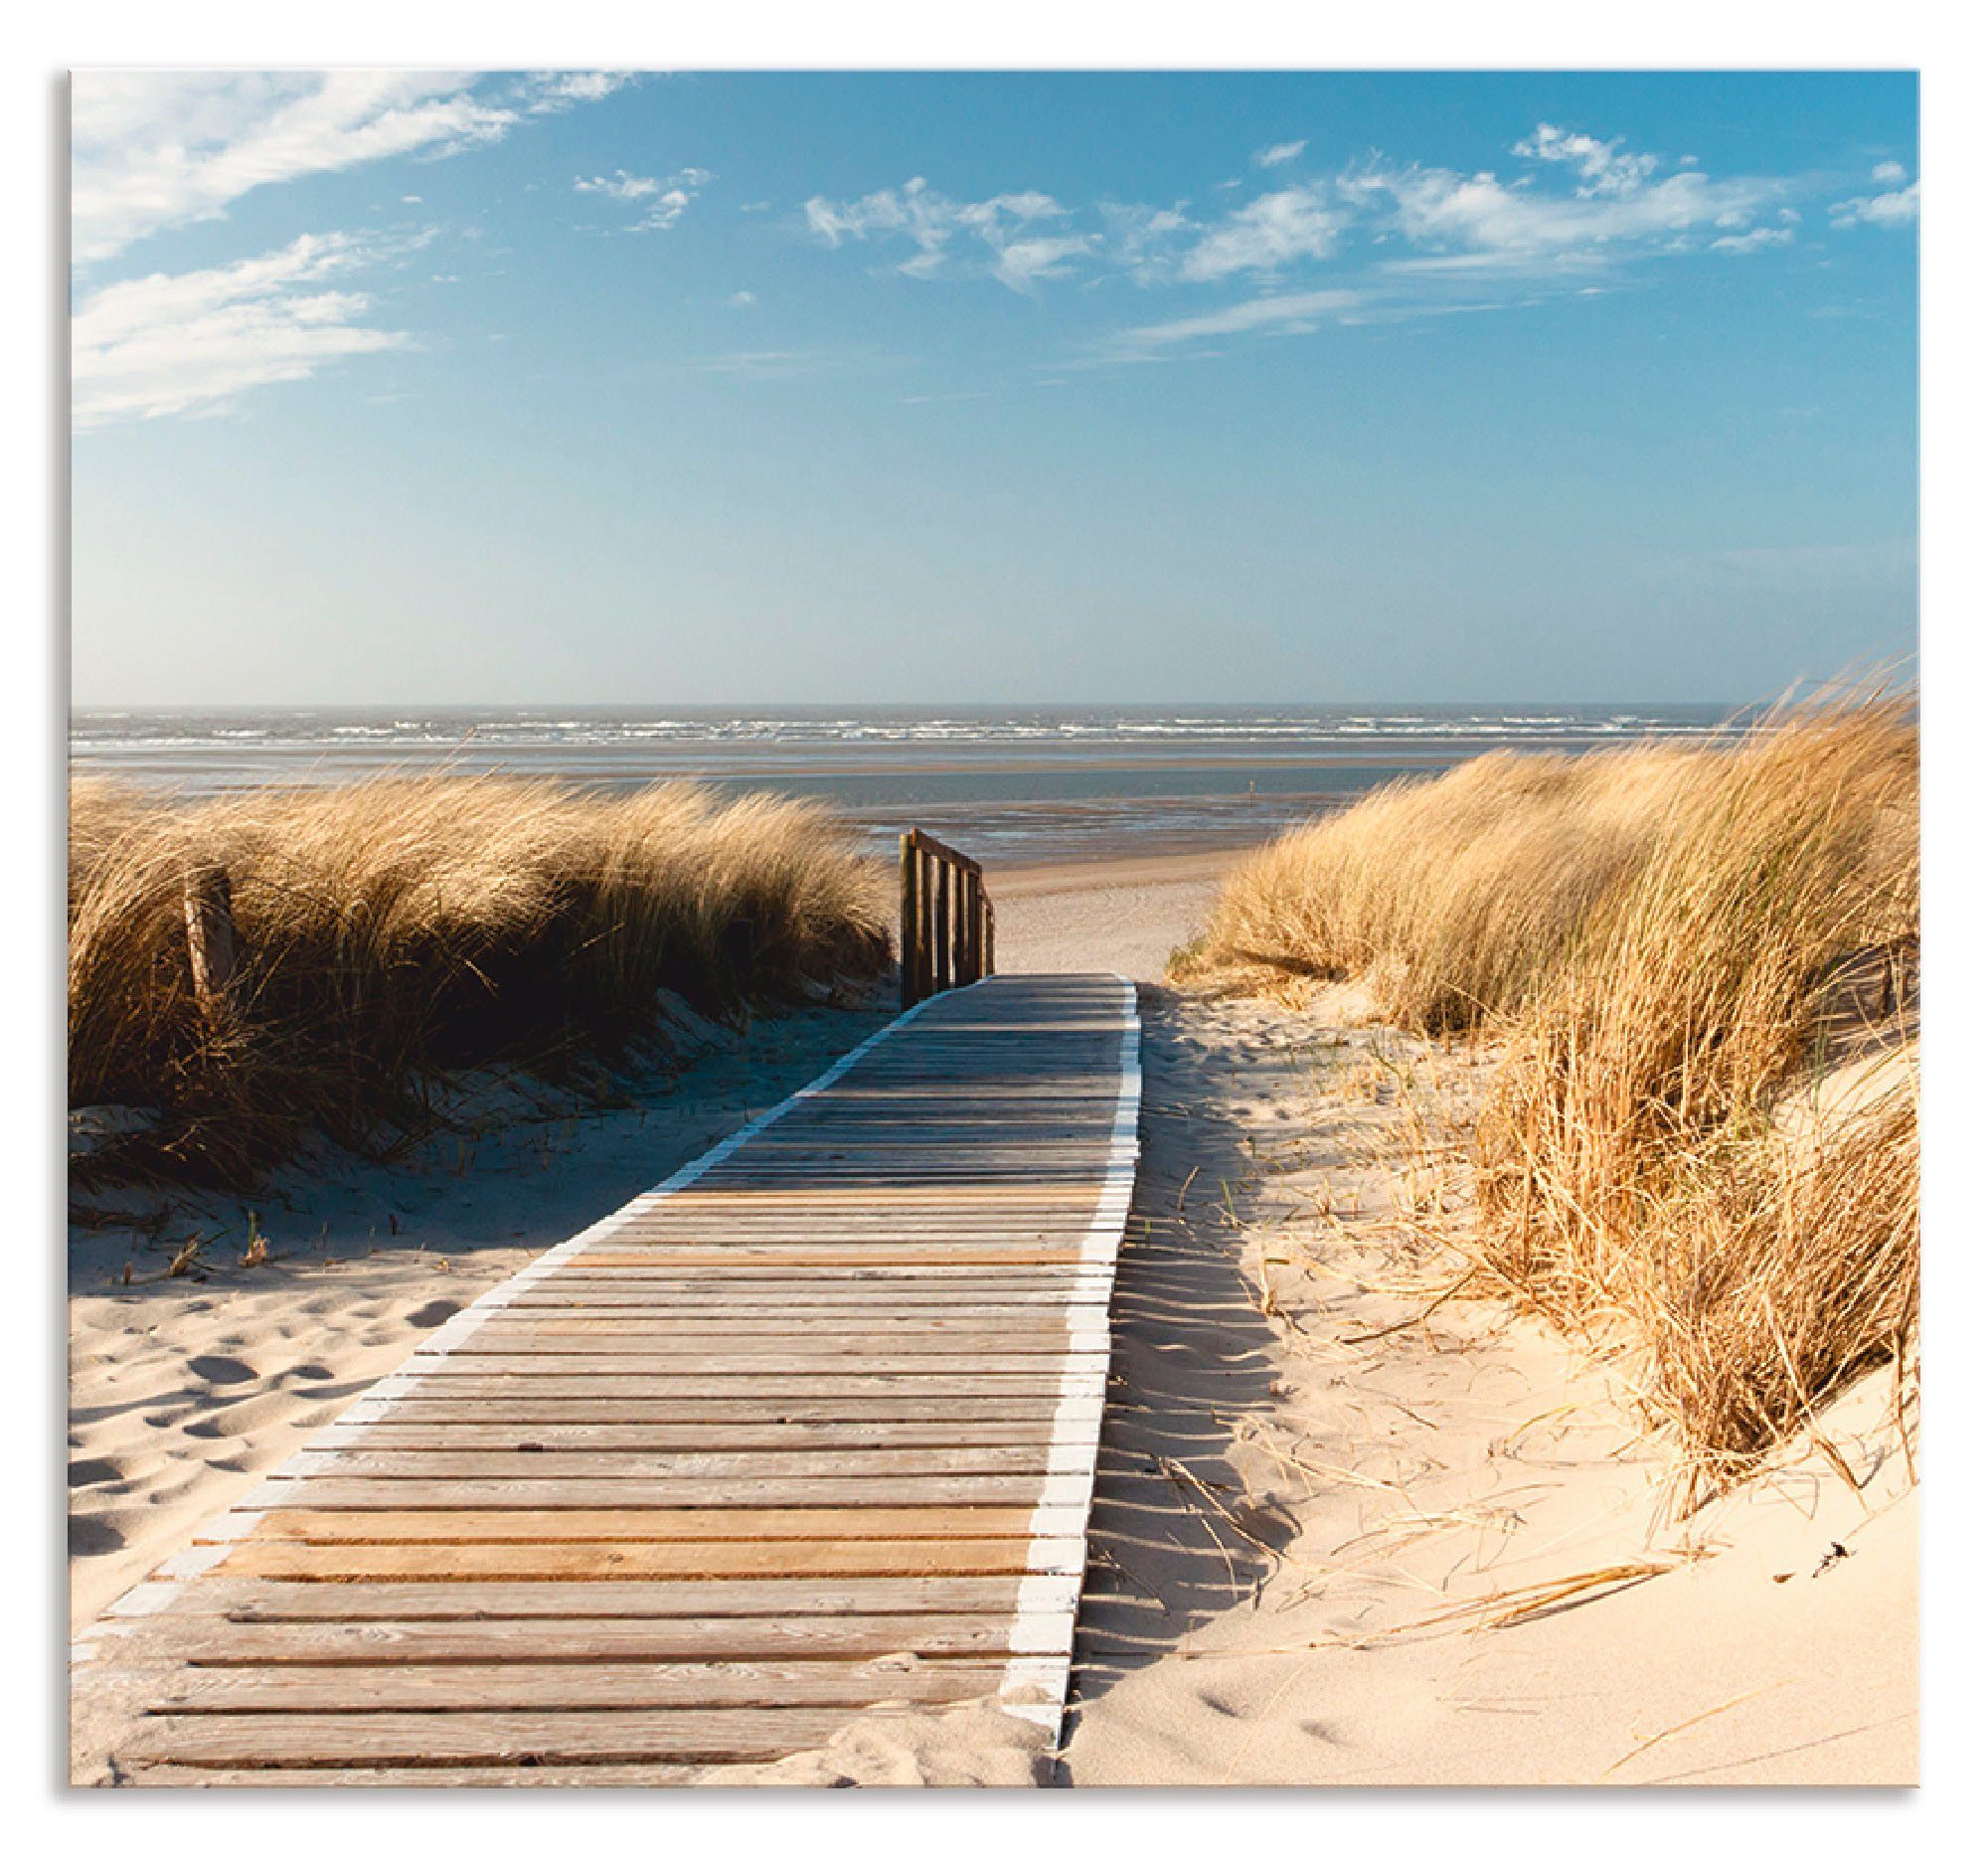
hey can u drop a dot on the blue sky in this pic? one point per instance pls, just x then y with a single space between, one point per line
586 387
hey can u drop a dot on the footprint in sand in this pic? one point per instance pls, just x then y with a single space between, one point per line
220 1369
433 1313
86 1471
232 1419
90 1535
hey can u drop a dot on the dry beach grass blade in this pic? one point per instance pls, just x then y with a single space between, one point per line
1701 1147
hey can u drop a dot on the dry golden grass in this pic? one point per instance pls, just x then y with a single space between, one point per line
395 930
1700 957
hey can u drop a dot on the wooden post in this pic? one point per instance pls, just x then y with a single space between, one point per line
942 926
927 923
975 913
210 924
987 938
910 920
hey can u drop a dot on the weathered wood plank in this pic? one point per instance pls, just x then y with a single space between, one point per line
732 1559
650 1467
391 1527
358 1493
497 1686
261 1602
526 1641
324 1741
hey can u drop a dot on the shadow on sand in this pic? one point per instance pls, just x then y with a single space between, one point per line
1174 1539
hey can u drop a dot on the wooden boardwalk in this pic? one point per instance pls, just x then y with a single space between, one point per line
809 1427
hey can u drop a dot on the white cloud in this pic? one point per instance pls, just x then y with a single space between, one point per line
1888 173
740 299
1741 244
1396 240
554 91
1519 226
1277 155
1603 169
1885 209
156 346
154 149
620 185
1294 314
930 221
1019 262
1274 230
410 199
664 199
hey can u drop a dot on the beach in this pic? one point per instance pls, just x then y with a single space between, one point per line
1317 1498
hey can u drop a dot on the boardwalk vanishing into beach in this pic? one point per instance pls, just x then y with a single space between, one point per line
809 1427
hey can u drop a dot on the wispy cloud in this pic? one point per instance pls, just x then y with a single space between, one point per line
996 230
1585 207
1603 166
195 343
1740 244
1614 217
1271 233
664 201
620 185
549 91
1900 206
155 149
1297 313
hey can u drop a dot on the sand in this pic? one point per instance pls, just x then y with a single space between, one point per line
1319 1498
1319 1495
1124 916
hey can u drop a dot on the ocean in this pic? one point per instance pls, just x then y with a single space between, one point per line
1011 785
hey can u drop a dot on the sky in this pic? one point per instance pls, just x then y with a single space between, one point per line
595 386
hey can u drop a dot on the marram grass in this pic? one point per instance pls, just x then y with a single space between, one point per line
395 930
1703 1142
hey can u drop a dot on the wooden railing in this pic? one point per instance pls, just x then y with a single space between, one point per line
946 923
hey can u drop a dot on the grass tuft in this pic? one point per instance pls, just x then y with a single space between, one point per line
395 930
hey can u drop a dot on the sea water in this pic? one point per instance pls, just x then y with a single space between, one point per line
1010 784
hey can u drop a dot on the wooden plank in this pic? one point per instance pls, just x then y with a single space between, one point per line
535 1431
769 1420
568 1382
415 1739
259 1601
481 1358
1012 1460
526 1641
758 1491
471 1688
729 1559
395 1527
